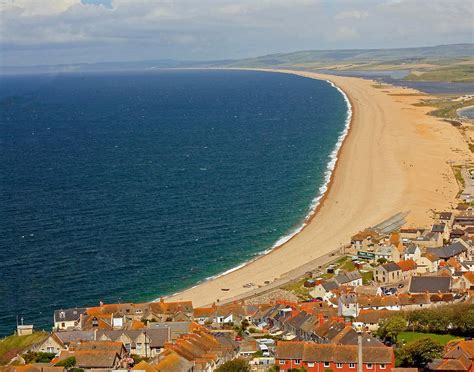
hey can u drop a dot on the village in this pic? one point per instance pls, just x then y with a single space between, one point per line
388 288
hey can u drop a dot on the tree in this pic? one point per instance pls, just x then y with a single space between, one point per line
38 357
66 363
420 352
236 365
391 327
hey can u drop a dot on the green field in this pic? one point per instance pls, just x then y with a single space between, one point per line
413 336
12 345
457 73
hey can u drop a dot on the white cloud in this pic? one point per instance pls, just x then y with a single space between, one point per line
49 31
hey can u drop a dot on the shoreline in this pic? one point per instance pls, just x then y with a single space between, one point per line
320 201
315 203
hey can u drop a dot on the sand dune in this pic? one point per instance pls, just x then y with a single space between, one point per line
394 159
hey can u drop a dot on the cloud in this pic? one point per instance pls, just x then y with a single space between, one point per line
64 31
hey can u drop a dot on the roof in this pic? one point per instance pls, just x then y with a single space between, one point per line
143 366
204 312
411 249
172 362
312 352
68 315
438 227
373 316
391 266
469 276
347 277
407 265
445 215
431 256
430 284
448 250
329 285
361 235
92 358
69 336
289 350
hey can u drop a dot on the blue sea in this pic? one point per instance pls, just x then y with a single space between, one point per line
127 187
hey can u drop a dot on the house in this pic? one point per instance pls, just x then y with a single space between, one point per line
412 252
320 357
429 239
408 234
458 356
69 319
441 228
387 252
349 278
142 342
364 240
372 318
348 305
447 218
456 234
170 361
427 263
457 250
52 344
388 273
465 281
95 355
430 284
323 290
408 268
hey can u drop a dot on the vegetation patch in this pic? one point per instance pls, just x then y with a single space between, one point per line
13 345
407 337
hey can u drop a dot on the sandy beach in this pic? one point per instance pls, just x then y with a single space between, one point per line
394 159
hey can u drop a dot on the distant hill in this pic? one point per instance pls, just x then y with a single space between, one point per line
444 62
361 56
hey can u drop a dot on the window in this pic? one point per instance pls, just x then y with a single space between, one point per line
338 365
310 364
327 364
382 366
297 361
369 365
352 365
282 362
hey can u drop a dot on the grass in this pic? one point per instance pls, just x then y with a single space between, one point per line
461 73
298 289
458 175
446 108
367 277
413 336
12 345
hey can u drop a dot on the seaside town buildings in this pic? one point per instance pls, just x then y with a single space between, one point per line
381 273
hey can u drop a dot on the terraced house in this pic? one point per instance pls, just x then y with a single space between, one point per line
317 357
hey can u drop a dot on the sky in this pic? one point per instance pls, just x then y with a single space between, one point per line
36 32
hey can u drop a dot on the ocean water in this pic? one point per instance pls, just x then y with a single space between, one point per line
123 188
467 112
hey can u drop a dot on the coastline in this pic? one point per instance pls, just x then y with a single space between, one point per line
315 204
207 291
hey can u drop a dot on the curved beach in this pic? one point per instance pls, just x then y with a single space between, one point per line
394 159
